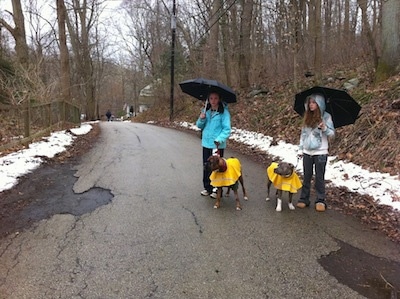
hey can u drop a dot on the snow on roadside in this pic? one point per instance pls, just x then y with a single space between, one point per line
14 165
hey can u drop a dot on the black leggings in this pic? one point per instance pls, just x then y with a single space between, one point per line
207 152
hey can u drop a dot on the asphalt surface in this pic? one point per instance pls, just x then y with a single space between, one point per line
134 225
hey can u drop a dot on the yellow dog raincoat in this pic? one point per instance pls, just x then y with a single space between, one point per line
291 183
229 177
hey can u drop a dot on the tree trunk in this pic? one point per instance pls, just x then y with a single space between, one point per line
389 62
296 12
79 33
366 31
244 54
226 54
21 46
211 53
318 41
235 45
64 56
18 33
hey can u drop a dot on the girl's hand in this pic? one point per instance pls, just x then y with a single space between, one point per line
202 115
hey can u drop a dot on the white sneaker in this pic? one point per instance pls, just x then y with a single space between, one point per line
213 195
204 192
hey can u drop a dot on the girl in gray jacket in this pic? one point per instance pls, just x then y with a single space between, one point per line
317 127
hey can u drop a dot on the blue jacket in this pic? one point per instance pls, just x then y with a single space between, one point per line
215 127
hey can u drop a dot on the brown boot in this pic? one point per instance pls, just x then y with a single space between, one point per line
320 207
301 205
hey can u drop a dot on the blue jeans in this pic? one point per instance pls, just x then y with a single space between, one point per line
309 163
207 152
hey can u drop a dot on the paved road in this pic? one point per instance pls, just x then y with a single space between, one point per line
159 238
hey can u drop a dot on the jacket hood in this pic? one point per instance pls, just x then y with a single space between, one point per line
319 99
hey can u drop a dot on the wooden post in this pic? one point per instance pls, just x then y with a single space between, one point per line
27 119
50 116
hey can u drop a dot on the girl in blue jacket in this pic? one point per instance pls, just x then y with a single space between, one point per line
317 127
215 123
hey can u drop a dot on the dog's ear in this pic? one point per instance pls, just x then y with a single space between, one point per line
212 159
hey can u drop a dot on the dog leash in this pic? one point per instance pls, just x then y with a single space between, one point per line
216 152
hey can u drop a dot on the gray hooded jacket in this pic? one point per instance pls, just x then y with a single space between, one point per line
314 141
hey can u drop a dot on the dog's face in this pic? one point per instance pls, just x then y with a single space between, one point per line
284 169
214 162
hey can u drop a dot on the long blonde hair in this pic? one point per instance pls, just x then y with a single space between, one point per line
311 118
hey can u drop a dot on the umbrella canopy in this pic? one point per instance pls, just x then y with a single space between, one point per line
342 107
200 88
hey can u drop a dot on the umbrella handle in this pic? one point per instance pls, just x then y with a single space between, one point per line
205 105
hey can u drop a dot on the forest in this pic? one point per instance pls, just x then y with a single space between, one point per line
99 54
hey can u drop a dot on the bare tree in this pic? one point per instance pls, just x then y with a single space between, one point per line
366 31
210 58
227 49
389 62
80 23
317 40
296 9
245 40
65 77
148 26
18 32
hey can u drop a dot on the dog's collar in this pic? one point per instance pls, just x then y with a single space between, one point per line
288 175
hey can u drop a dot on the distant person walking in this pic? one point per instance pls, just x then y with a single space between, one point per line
317 127
108 114
215 123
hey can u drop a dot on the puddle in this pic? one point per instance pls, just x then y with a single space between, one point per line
368 275
44 193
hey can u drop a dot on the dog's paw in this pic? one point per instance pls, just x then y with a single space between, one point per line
246 198
291 206
278 209
267 199
216 207
238 208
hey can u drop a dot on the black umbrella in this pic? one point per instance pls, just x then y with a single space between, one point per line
200 88
342 107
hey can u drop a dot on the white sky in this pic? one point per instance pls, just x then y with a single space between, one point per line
385 189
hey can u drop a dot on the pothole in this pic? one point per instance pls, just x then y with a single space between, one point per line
368 275
46 192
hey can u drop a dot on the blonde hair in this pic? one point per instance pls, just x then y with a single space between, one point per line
311 118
